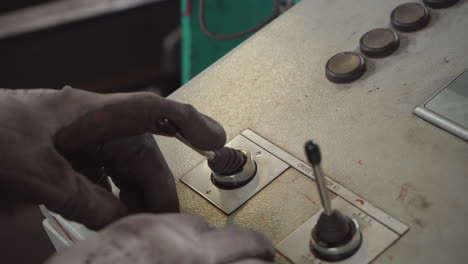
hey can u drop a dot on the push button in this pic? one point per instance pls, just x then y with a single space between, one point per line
410 17
345 67
379 42
439 3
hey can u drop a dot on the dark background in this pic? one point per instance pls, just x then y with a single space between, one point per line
12 5
115 52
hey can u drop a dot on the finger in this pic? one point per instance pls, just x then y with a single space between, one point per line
194 225
134 199
75 197
85 161
186 225
138 168
232 244
94 117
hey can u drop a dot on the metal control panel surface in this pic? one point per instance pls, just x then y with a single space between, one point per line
274 83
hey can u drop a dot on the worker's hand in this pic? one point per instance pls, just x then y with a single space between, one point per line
55 143
170 238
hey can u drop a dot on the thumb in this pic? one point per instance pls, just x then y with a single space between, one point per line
100 117
76 198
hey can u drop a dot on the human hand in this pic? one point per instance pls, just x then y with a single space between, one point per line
168 238
55 142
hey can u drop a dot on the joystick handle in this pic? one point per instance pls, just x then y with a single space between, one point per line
315 157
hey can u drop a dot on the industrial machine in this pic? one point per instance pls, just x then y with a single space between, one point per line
381 87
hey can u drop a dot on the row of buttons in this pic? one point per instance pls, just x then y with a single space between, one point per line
346 67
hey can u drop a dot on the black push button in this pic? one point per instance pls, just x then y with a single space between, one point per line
379 42
410 17
345 67
439 3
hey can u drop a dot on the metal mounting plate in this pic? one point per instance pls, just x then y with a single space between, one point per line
268 168
375 237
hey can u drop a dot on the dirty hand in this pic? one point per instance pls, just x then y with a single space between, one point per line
168 238
55 143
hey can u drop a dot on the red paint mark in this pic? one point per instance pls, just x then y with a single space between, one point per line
63 229
188 8
360 162
359 201
315 203
405 188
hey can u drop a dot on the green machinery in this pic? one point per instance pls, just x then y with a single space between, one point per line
223 19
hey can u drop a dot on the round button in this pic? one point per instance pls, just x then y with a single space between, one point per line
439 3
345 67
379 42
410 17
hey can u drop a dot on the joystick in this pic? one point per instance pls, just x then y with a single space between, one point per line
335 236
231 167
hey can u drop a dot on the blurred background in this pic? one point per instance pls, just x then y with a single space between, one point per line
111 46
104 46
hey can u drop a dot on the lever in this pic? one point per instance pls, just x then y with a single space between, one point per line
335 236
231 167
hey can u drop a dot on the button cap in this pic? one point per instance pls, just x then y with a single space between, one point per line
439 3
379 42
410 17
345 67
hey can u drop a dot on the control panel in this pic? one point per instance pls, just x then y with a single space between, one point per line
354 232
348 75
378 183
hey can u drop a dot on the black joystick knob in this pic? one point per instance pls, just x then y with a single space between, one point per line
232 168
335 236
227 161
333 229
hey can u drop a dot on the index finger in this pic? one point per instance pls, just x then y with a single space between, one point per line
91 118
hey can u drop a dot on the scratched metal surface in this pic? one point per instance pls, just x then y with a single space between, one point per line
274 84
